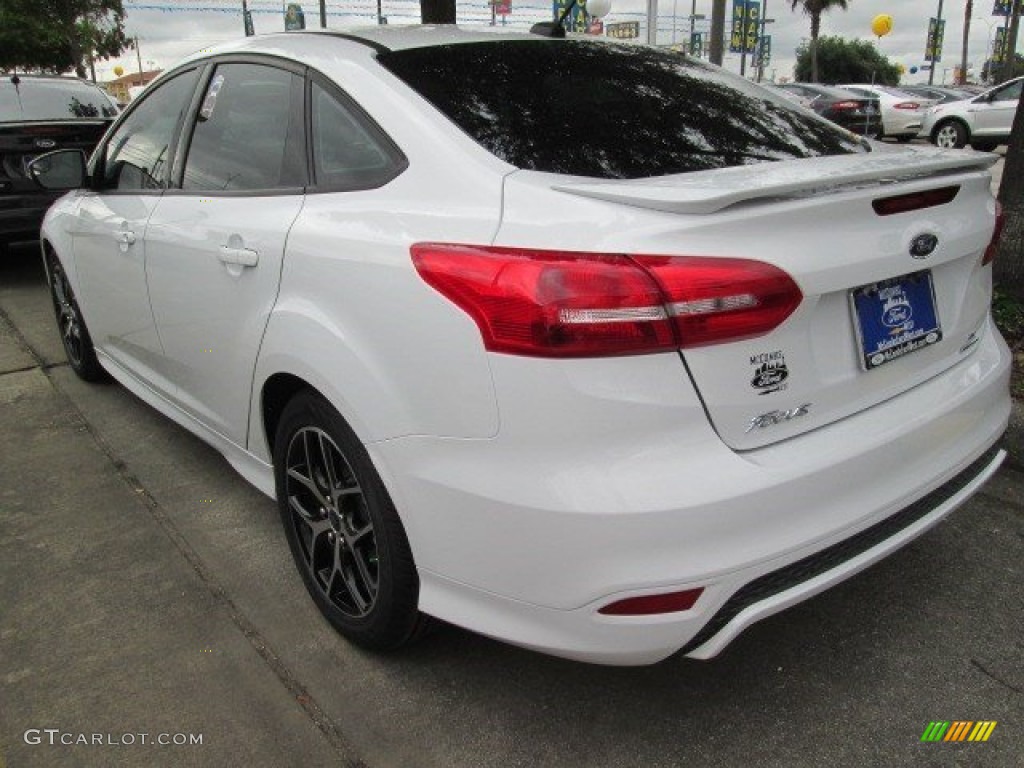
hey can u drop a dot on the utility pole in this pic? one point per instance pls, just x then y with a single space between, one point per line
138 52
717 31
760 40
323 14
935 47
743 41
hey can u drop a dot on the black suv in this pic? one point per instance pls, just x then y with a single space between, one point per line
38 115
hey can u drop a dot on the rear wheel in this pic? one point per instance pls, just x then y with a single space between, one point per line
344 533
950 135
73 334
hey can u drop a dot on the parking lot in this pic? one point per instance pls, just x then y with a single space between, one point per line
148 596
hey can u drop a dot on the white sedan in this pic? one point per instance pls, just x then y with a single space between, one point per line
902 113
581 345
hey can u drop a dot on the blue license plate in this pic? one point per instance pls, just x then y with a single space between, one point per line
895 317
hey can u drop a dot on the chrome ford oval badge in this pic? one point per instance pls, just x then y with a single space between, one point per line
45 143
922 246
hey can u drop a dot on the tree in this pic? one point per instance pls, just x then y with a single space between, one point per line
717 31
814 9
437 11
1009 263
968 11
846 61
992 70
59 35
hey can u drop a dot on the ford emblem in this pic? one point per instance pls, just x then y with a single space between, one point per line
922 246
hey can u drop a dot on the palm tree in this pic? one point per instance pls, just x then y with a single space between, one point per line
968 12
814 9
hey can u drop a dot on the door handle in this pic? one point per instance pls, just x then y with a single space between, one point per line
244 257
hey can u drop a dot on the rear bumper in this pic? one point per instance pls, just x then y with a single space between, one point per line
521 547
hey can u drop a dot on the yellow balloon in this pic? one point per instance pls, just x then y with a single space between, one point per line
118 71
881 25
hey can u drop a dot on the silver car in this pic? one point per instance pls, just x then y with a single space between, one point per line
982 121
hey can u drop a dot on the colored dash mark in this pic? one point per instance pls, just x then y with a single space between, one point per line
958 730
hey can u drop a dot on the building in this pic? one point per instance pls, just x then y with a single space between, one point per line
118 88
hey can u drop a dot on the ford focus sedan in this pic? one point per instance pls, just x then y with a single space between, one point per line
585 346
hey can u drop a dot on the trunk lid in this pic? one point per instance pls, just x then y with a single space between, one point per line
891 297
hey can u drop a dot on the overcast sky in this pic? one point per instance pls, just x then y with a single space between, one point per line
171 29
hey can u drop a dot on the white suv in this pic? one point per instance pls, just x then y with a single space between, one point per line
983 121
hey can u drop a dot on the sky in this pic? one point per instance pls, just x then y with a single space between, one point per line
171 29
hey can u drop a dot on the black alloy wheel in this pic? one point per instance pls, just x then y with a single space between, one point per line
73 333
342 528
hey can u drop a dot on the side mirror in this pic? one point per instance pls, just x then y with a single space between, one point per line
60 170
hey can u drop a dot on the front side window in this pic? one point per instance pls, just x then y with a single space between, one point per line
136 157
249 131
610 110
1010 92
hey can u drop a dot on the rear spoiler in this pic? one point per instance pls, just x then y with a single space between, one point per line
705 192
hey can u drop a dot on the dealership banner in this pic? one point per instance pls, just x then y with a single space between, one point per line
746 20
933 46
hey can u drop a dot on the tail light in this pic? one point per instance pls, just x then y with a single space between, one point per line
563 304
846 105
997 233
907 105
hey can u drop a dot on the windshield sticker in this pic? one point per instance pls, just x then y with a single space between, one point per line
210 102
770 372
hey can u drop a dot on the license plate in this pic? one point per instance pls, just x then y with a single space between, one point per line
895 317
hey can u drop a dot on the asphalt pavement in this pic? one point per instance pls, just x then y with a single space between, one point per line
147 595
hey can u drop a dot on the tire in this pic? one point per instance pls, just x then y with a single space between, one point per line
950 135
74 334
342 528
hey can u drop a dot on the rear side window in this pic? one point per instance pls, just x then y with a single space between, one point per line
349 151
42 100
609 110
249 131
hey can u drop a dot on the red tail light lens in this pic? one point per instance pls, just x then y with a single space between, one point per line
717 300
649 605
907 105
997 233
559 304
846 105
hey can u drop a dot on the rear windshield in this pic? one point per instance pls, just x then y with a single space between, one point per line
610 110
33 99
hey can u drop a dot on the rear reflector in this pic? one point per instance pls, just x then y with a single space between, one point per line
565 304
649 605
997 233
887 206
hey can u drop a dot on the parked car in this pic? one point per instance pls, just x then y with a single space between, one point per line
37 115
936 93
983 121
902 112
852 111
801 99
609 366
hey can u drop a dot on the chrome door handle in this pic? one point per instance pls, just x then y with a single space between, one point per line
245 257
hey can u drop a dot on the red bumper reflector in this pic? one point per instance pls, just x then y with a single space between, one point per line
649 605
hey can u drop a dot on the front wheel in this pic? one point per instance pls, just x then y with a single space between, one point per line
342 528
73 334
950 135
